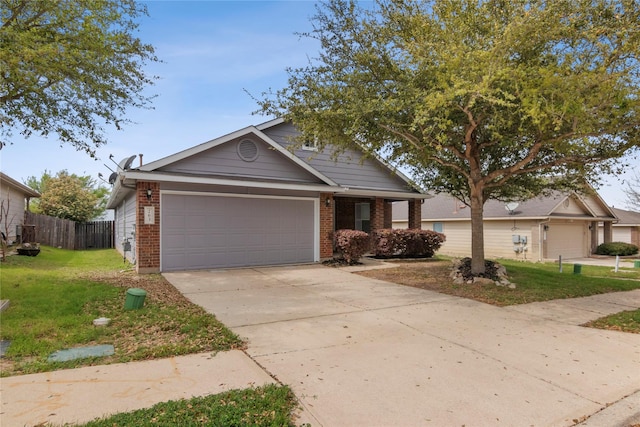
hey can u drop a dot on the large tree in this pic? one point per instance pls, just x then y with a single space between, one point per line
67 68
69 196
633 192
482 99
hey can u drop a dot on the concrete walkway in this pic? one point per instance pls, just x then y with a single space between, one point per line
80 395
357 351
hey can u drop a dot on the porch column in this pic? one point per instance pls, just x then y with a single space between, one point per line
608 232
415 213
327 205
147 227
593 228
388 214
377 214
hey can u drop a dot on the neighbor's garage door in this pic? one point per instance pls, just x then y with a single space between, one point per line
568 240
218 231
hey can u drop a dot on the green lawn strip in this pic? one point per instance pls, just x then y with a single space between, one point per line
271 405
543 282
626 321
53 301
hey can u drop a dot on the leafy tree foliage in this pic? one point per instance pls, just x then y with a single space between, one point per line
68 196
67 67
482 99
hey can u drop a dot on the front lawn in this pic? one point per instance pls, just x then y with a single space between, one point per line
534 281
270 405
55 297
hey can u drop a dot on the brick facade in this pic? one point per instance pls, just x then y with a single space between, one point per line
327 205
147 235
377 213
388 217
415 213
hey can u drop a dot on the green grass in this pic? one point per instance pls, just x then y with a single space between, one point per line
543 282
270 405
626 321
55 296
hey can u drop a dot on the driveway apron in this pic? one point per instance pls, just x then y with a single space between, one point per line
358 351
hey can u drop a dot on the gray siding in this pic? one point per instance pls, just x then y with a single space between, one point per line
224 161
349 169
125 219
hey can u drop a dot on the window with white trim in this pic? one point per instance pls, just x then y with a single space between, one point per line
363 218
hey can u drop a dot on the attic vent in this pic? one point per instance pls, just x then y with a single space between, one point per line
247 150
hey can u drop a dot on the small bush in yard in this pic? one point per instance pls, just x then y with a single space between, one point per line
412 243
352 244
617 248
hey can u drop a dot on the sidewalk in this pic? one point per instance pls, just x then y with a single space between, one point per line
80 395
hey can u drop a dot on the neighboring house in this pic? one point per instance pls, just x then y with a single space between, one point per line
14 200
537 229
250 198
627 229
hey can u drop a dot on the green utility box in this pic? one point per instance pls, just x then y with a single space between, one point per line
636 264
135 298
577 268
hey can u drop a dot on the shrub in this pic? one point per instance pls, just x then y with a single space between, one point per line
617 248
352 244
412 243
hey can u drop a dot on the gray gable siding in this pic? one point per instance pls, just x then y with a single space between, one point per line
348 170
224 160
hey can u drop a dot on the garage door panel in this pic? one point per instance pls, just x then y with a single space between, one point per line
566 239
217 231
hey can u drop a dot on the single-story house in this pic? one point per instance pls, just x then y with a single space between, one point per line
538 229
14 200
627 229
250 198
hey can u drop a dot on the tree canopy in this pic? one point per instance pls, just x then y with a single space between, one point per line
481 99
68 196
70 67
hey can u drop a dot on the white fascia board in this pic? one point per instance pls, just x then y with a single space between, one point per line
145 176
384 193
229 137
297 160
270 123
194 150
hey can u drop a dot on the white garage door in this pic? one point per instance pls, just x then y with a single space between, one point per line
568 240
218 231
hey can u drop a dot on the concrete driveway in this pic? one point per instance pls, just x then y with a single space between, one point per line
358 351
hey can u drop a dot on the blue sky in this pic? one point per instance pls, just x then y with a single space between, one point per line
213 53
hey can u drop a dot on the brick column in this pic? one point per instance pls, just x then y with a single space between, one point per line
147 229
415 213
326 225
377 214
388 214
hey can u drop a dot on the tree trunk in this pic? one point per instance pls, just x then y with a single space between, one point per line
477 232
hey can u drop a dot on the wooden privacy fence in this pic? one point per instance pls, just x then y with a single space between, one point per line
68 234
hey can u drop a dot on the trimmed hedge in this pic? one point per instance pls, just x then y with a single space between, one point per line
617 248
352 244
406 243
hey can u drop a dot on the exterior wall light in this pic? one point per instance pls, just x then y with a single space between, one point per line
149 193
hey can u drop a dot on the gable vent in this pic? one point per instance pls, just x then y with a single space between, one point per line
247 150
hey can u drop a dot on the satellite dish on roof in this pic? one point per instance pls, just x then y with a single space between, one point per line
125 164
112 178
511 207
